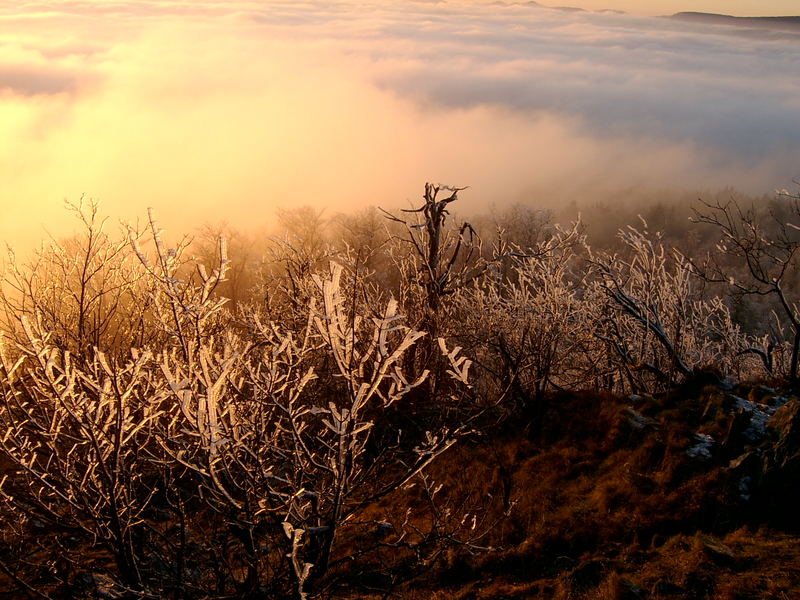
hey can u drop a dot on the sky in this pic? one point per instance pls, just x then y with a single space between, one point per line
221 111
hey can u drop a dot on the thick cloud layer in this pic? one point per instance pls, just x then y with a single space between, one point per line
223 110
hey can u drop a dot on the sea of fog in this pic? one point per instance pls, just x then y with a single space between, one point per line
224 110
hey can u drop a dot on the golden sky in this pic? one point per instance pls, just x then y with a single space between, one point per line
223 111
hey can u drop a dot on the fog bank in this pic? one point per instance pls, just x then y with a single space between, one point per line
223 111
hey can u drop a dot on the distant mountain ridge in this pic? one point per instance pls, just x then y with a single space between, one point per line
783 23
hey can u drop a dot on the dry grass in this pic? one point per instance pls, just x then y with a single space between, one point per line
607 511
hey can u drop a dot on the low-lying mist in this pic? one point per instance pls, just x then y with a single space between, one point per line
224 111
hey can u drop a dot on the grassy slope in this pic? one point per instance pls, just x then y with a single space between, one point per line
604 509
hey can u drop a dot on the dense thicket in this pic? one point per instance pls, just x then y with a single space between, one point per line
178 422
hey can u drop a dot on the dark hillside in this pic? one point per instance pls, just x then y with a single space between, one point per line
782 23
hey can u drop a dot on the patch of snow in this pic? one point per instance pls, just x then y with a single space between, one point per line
759 415
384 527
704 443
637 420
779 401
746 488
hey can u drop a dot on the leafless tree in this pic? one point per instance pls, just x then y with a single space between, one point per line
280 428
246 256
298 250
443 259
85 290
530 325
768 250
658 322
75 433
184 304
